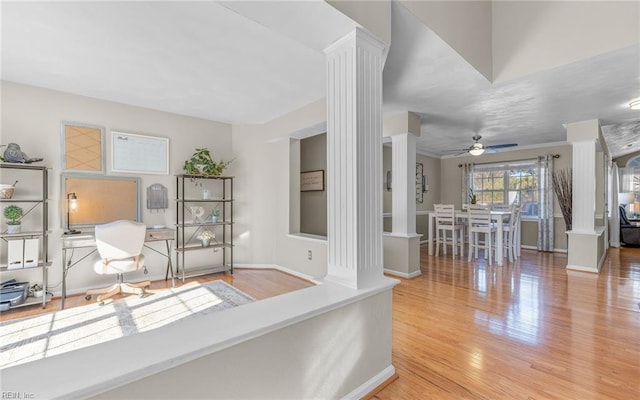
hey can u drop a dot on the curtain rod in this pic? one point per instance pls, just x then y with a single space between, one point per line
508 161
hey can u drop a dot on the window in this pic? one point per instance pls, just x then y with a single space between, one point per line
508 183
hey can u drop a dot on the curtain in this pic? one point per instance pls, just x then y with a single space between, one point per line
614 214
545 201
467 182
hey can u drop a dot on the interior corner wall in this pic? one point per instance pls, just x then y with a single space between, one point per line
451 179
31 117
262 159
313 204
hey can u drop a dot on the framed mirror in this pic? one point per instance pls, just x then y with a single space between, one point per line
83 147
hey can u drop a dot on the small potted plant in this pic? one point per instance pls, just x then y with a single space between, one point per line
205 238
472 197
214 215
13 215
201 163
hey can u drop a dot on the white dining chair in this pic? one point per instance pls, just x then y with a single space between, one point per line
479 223
446 222
510 233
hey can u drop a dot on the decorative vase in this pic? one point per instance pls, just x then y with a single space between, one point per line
205 242
11 229
214 219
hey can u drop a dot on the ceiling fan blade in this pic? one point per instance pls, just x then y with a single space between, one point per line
501 146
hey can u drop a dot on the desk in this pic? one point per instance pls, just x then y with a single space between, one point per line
498 216
88 241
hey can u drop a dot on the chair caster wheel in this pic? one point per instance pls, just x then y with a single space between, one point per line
87 297
101 303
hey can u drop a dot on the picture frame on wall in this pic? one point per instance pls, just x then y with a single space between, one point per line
139 154
83 147
312 181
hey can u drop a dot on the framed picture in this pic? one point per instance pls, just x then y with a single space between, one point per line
312 181
140 154
83 147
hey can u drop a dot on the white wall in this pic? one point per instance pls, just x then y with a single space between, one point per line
262 158
530 36
31 117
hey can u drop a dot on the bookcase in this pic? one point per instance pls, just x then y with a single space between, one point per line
35 225
197 230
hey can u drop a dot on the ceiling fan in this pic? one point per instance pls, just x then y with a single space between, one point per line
478 148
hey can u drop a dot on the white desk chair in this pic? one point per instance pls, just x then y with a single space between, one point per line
446 222
479 221
120 246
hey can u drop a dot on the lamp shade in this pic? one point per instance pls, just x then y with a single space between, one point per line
626 198
476 149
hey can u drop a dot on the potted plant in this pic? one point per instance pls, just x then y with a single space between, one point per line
472 197
205 238
13 214
201 163
214 214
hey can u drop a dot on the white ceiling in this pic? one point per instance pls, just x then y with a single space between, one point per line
219 61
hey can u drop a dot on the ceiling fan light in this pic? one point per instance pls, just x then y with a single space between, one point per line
476 149
635 104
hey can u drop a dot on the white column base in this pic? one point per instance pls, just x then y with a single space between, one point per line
402 255
587 250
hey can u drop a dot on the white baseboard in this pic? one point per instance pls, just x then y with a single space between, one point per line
535 248
371 384
582 268
280 268
403 274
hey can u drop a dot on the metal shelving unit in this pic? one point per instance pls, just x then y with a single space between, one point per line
43 234
187 231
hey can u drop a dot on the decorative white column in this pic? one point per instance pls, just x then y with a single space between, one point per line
587 246
403 178
584 186
354 147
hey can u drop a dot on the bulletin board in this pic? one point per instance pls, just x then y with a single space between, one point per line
132 153
102 199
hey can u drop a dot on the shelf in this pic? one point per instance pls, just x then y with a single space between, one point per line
23 234
4 268
23 166
197 176
204 200
199 247
23 201
193 225
31 301
214 269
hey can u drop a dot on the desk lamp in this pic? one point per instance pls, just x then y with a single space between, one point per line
72 205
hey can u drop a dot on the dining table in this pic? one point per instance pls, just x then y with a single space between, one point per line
498 216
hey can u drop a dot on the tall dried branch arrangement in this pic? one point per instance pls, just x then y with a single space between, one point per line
563 188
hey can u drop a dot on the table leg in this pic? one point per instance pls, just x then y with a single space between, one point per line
499 241
64 278
430 236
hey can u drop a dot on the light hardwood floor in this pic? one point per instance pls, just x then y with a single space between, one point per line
528 330
259 283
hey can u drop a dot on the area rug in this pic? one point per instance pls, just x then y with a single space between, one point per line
45 335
